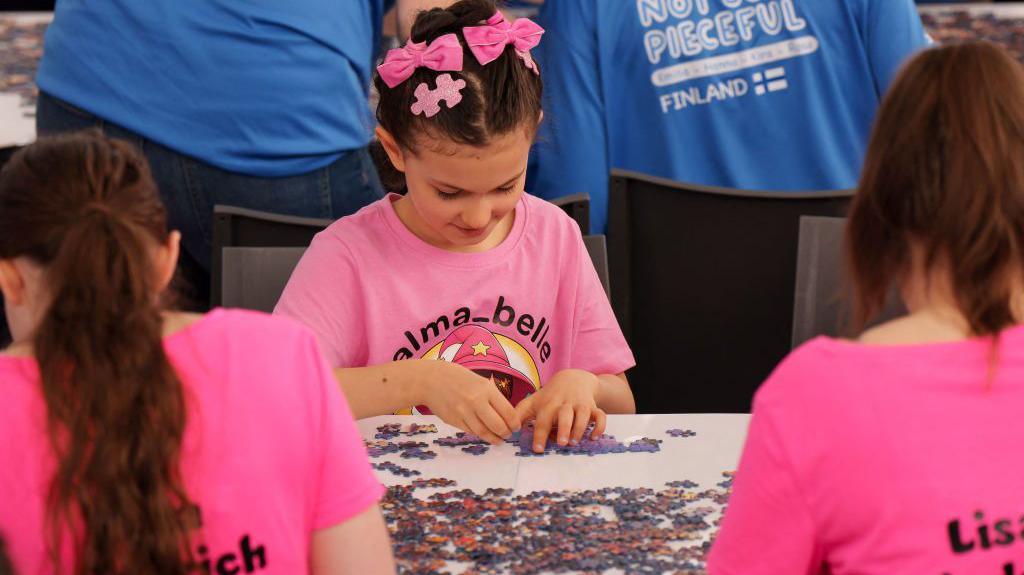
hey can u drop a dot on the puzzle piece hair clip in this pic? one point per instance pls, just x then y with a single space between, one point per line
428 102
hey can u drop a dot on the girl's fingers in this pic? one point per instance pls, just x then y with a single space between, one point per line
505 411
600 419
480 430
565 416
493 421
579 424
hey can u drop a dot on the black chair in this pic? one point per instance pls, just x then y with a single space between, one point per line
702 283
578 208
240 227
254 278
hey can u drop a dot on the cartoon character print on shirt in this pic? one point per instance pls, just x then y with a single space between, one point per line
490 355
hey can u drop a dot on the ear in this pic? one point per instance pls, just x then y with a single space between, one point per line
167 260
392 149
12 283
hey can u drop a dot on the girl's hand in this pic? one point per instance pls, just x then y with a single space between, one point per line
470 402
567 400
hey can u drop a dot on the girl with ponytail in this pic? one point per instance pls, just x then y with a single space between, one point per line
138 440
898 452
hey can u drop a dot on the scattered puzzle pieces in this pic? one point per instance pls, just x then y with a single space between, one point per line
624 529
380 448
417 453
395 469
460 439
589 446
476 449
416 429
681 433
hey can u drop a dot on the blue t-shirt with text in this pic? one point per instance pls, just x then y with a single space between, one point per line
749 94
263 87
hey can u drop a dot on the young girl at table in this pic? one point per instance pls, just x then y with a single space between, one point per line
464 268
137 440
899 452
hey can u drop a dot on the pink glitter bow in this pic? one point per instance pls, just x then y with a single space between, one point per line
489 41
441 55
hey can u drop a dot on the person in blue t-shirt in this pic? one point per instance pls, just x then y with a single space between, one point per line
260 104
752 94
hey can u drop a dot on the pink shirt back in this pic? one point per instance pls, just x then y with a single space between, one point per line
271 452
375 293
881 460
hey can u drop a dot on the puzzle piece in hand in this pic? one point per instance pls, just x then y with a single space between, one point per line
428 101
589 445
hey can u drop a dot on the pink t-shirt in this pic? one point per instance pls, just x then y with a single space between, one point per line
375 293
271 452
881 460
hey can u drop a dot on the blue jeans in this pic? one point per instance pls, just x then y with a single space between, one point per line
190 188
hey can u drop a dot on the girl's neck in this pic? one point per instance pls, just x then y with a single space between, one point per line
933 318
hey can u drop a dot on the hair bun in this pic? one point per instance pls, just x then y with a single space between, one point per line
436 22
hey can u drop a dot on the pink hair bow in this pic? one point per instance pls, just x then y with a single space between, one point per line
488 42
441 55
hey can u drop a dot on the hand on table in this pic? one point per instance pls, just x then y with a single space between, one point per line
470 402
568 401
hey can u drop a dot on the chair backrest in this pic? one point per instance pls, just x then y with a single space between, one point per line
821 304
818 302
597 247
702 283
255 277
240 227
578 208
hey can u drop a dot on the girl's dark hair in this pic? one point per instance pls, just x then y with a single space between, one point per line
500 97
6 568
945 172
86 210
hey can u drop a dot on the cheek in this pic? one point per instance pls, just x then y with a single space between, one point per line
507 203
431 207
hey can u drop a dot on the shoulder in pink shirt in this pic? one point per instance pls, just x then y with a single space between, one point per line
374 293
882 459
271 452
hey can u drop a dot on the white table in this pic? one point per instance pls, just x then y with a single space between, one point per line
701 459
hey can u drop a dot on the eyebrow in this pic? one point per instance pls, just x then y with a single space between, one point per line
439 183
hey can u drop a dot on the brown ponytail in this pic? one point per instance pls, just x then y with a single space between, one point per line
5 562
945 172
85 208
